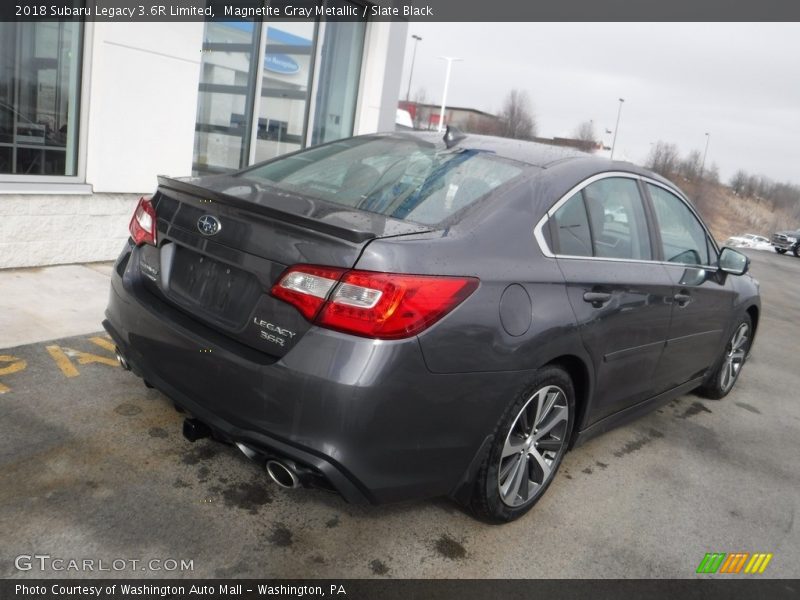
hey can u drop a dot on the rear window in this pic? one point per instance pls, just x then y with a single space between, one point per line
405 178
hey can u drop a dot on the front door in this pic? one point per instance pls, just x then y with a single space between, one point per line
702 299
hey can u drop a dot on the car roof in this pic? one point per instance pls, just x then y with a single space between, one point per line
533 153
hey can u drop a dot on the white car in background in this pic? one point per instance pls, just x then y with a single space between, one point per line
749 240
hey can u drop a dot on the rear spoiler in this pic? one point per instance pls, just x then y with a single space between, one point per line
360 227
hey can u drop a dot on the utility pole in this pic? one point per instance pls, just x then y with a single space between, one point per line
616 128
450 61
417 39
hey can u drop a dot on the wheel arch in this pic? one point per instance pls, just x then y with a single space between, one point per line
753 313
579 373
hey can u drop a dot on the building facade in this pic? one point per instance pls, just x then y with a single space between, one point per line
426 116
91 113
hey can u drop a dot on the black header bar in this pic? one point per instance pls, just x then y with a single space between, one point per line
408 10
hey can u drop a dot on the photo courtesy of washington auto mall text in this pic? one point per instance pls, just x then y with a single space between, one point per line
176 590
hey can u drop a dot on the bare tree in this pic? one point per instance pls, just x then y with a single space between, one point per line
712 173
738 182
586 132
518 121
689 167
663 158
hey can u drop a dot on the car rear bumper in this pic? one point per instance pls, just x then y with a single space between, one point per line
368 415
783 245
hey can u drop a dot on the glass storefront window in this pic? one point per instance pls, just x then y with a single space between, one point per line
340 70
285 82
306 88
225 104
39 97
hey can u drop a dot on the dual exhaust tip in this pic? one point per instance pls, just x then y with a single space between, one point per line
282 472
121 360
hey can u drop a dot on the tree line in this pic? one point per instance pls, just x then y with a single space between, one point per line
665 159
516 119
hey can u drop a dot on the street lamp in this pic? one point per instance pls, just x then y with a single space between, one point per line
450 60
703 164
616 129
417 39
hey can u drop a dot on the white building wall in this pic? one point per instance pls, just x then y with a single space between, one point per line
140 111
142 104
384 49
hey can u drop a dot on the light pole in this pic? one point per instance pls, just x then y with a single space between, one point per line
417 39
616 128
705 152
450 60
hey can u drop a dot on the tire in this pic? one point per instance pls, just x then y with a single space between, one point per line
780 250
507 486
796 251
722 379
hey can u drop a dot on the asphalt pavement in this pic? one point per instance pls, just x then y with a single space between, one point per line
93 466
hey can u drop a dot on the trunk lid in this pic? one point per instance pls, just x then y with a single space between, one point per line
223 278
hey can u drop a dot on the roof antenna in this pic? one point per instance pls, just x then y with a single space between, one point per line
452 136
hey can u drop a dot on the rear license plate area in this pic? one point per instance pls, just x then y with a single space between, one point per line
219 292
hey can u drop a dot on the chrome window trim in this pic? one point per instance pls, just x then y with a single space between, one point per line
539 234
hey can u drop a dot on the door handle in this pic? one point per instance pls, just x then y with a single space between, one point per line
682 299
596 299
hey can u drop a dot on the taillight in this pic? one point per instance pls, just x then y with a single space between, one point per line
143 223
306 287
376 305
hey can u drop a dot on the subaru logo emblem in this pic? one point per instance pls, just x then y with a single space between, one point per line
208 225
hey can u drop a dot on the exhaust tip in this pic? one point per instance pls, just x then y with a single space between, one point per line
121 360
282 475
247 451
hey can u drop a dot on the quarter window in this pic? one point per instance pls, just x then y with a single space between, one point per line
572 228
606 219
683 238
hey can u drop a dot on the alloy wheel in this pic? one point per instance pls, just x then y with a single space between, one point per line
533 445
734 357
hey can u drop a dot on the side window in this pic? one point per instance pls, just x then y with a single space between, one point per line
570 228
616 219
683 238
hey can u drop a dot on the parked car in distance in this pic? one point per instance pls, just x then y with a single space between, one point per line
749 240
784 241
398 316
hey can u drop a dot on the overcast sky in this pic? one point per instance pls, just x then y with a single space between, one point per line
738 81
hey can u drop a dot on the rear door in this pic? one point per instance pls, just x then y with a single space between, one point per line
703 301
620 296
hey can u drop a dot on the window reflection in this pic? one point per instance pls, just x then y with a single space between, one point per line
39 97
298 58
226 99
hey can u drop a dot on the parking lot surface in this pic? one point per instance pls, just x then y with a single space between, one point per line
93 466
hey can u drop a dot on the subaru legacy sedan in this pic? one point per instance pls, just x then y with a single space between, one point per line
399 316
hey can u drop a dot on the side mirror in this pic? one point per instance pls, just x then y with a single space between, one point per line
733 262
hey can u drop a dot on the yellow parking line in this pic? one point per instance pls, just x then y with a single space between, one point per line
62 361
17 365
103 343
